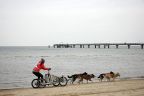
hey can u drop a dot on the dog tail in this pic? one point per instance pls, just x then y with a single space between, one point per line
69 76
98 76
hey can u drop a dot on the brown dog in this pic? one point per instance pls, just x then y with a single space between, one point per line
108 76
87 77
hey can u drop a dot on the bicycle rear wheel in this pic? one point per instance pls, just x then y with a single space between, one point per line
63 81
35 83
42 83
38 83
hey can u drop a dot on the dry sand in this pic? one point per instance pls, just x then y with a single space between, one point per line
117 88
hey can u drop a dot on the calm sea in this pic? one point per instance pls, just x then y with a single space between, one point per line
16 63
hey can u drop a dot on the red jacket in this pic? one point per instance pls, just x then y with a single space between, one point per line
39 67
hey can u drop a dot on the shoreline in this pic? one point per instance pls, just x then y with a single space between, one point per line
94 81
127 87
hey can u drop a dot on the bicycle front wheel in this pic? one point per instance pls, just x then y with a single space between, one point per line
63 81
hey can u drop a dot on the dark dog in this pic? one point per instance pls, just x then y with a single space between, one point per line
87 77
101 76
75 76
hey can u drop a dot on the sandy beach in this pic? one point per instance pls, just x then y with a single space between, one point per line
131 87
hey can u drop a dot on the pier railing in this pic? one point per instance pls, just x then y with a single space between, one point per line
97 45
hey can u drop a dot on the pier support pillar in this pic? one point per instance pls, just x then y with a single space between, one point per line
142 46
128 46
88 46
83 46
117 46
80 46
108 46
99 46
73 46
104 46
95 46
66 46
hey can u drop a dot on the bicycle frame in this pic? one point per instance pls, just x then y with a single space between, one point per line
49 79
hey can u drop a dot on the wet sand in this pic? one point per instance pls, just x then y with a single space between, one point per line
131 87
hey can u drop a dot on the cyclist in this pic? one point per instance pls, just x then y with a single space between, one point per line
38 67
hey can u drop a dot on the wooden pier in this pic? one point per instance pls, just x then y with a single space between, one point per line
98 45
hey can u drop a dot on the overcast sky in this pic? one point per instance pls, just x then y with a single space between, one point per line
46 22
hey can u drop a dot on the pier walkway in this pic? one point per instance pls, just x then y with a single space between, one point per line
98 45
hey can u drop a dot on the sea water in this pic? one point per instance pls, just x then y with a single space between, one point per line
16 63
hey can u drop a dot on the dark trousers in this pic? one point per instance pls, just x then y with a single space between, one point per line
38 74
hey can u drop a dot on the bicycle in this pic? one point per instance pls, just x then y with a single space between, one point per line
49 80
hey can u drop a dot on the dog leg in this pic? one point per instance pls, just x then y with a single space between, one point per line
114 79
73 80
100 80
108 79
80 81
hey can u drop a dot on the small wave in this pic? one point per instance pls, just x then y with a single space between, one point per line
44 56
13 82
23 56
26 56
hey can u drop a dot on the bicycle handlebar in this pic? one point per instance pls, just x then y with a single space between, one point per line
49 70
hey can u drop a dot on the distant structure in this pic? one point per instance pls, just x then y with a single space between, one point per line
48 46
106 45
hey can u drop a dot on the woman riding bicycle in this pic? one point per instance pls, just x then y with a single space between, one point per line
38 67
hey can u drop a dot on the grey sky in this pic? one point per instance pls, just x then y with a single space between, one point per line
45 22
